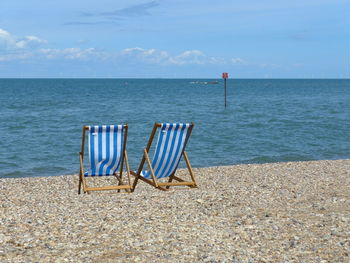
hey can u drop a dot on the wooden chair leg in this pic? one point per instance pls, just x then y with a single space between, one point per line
85 186
135 183
119 178
169 181
81 171
189 167
79 185
137 175
127 168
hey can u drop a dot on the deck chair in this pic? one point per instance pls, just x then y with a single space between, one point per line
107 153
171 144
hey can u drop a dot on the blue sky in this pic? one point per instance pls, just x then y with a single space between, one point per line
175 39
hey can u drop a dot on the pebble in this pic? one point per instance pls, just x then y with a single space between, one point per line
278 212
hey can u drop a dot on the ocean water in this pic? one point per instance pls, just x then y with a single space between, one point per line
265 120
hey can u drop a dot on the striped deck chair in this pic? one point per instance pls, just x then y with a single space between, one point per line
107 153
171 144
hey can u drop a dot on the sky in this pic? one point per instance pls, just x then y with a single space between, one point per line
174 38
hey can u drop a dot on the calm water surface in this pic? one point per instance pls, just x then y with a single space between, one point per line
265 121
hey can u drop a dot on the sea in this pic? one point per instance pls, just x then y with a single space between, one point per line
265 120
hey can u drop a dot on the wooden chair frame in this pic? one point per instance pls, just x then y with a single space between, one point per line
160 185
121 185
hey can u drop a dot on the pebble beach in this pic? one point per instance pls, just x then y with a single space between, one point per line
277 212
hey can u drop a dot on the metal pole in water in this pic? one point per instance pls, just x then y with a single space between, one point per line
225 94
225 76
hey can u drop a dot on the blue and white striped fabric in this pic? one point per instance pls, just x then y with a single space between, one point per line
169 149
105 149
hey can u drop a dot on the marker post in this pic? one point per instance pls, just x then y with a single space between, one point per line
225 77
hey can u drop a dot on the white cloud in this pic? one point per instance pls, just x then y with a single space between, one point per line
30 42
30 47
189 57
72 53
237 61
6 40
15 56
217 61
11 42
151 56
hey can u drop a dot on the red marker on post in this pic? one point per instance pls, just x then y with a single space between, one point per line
225 77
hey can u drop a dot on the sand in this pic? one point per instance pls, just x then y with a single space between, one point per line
280 212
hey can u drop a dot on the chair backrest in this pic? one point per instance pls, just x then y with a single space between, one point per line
105 144
172 140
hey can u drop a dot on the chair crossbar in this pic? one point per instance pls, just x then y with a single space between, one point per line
112 187
177 183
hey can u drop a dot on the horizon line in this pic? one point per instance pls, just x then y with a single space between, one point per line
185 78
